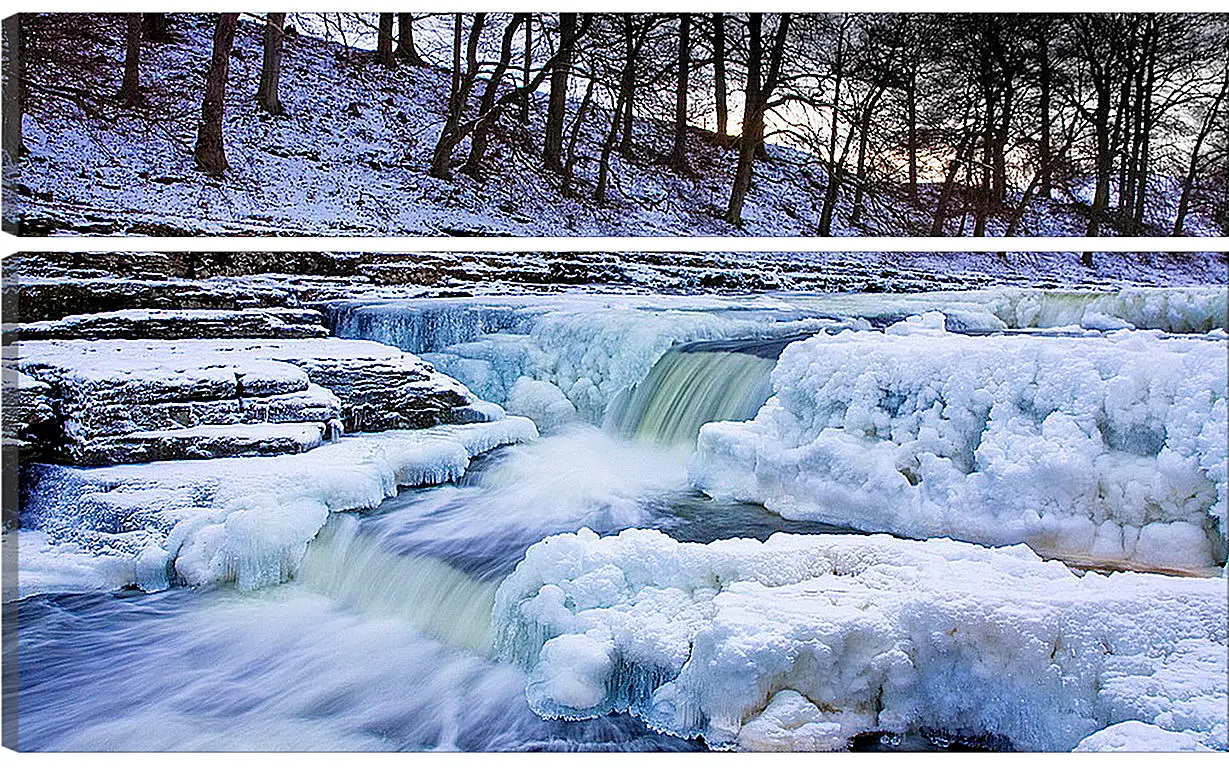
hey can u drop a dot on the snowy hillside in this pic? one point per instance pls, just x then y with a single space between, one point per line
350 157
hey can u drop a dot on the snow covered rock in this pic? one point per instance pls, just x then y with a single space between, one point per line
1176 310
802 642
1134 736
180 324
51 298
246 520
149 400
1107 450
27 410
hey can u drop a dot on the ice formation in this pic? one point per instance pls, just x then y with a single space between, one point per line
246 520
801 642
592 347
1104 449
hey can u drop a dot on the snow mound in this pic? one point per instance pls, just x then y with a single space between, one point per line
802 642
1106 449
1134 736
241 520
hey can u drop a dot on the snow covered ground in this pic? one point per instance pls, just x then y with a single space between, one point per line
351 158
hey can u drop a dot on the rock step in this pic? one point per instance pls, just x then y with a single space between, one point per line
208 442
120 401
275 323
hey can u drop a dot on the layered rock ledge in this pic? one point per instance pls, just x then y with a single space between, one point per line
121 401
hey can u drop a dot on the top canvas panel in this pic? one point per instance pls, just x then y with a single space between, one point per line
545 124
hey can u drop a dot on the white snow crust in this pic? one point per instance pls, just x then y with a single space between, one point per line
801 642
243 520
1105 449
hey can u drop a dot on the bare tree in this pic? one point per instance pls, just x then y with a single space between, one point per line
14 87
462 84
758 95
130 91
719 85
405 41
209 153
552 153
678 155
384 40
486 107
271 68
1210 119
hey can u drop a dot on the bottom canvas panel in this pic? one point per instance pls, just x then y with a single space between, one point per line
615 501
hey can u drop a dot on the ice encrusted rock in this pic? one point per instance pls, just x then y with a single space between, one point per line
1105 449
246 520
27 410
147 400
801 642
1176 310
273 323
592 347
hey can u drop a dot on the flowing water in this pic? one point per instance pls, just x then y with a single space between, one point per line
383 639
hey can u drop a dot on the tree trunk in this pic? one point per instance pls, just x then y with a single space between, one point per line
749 140
527 68
451 135
759 90
384 41
210 155
155 27
911 116
838 73
13 96
719 87
678 156
1104 163
405 41
1143 129
949 186
130 92
569 164
271 69
1046 77
864 132
603 169
1192 169
487 111
628 86
1000 143
557 109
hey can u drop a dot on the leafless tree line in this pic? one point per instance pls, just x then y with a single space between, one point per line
965 117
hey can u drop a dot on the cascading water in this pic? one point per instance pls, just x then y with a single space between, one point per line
693 384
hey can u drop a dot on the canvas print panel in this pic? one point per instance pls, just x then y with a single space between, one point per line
849 124
615 501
